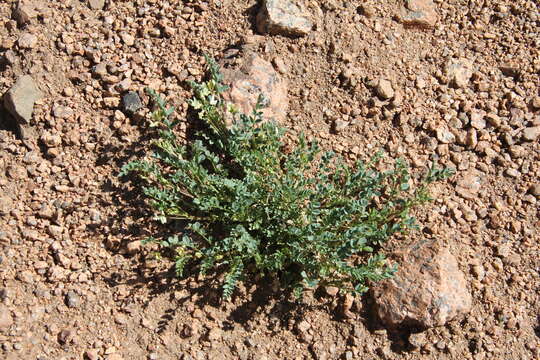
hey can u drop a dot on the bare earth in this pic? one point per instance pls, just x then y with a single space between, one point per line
75 282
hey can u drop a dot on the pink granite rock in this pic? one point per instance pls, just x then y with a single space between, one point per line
255 76
427 291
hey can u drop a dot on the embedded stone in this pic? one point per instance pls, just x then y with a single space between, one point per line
384 89
428 290
283 17
459 72
469 183
96 4
420 13
20 99
131 102
531 133
254 77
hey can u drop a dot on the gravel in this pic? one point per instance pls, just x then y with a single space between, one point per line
464 97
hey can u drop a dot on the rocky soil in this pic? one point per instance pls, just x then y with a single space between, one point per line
455 82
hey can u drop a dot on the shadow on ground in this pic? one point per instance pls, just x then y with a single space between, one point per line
279 306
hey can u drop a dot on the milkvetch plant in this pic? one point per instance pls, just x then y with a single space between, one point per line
248 206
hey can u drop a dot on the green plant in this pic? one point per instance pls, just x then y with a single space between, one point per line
248 206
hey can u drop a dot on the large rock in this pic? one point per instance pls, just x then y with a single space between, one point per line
283 17
20 99
253 77
427 291
419 13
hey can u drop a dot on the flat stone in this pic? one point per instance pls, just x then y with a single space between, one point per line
27 41
459 72
477 120
25 276
469 183
427 291
120 319
340 125
128 39
6 320
9 57
131 102
6 205
100 69
133 247
420 13
512 173
303 326
256 76
531 133
20 99
331 290
96 4
16 172
280 65
283 17
72 299
62 112
445 136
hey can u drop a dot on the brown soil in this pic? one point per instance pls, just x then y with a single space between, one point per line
67 279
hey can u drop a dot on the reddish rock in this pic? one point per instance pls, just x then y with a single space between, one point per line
469 184
283 17
420 13
427 291
254 77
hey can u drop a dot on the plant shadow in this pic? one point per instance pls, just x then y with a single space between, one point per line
277 304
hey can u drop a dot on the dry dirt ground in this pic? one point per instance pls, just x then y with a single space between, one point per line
71 287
